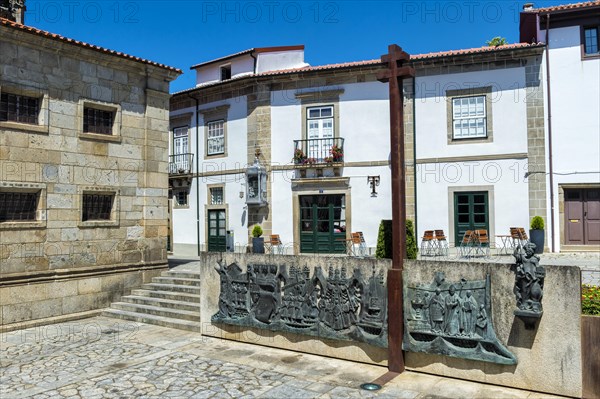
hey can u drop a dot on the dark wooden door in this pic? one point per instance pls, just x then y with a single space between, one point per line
582 216
322 223
217 236
470 213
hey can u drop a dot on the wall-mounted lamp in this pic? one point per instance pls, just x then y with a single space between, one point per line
256 184
373 181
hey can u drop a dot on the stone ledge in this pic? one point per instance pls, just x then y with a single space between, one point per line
49 320
99 137
25 127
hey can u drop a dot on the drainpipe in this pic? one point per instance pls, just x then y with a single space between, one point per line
550 133
414 88
197 176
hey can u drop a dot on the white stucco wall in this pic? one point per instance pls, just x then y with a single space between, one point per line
509 114
276 60
185 220
575 91
244 64
507 194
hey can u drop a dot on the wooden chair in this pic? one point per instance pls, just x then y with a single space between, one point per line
466 245
518 236
442 242
359 245
482 242
428 243
274 245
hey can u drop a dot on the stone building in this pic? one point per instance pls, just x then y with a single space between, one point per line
83 172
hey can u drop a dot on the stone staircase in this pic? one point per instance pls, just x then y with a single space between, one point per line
171 300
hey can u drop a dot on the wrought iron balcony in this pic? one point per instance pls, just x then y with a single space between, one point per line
318 151
181 164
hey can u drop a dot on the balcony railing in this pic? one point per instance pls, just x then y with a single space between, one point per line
181 164
318 151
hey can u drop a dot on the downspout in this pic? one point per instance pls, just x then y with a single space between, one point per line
552 231
197 176
255 61
414 88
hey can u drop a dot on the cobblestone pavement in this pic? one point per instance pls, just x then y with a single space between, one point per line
107 358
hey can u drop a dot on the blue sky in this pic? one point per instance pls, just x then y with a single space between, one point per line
181 33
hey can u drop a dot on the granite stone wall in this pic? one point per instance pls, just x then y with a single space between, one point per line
44 263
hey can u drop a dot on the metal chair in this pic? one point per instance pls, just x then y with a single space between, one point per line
442 243
274 245
466 245
482 242
358 240
428 245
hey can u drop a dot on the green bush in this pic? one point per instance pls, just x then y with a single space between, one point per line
590 300
384 241
257 231
537 223
411 241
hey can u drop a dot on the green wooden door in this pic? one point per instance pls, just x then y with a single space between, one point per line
470 213
322 223
217 237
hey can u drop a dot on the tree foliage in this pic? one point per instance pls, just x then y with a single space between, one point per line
497 41
384 240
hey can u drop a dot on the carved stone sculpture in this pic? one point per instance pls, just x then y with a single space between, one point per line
529 285
336 306
451 318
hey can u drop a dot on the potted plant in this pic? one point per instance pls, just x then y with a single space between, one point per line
536 234
337 154
299 157
258 242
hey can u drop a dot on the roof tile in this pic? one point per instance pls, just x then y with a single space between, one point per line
39 32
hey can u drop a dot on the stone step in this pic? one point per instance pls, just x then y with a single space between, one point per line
162 302
190 289
176 280
152 319
182 274
145 310
174 296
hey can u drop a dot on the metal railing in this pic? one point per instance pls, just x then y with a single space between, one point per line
318 151
181 164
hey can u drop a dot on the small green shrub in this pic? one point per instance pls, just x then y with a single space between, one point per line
257 231
537 223
384 240
496 42
411 241
590 300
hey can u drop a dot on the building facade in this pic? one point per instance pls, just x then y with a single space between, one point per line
322 131
572 63
83 173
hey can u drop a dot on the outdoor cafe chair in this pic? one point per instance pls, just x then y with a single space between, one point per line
482 242
466 245
274 245
442 243
428 245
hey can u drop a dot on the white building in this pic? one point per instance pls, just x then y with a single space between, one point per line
476 124
573 111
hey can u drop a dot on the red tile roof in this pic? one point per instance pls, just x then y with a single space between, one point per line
377 62
54 36
565 7
414 57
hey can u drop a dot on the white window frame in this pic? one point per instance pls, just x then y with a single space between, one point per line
181 145
212 138
470 122
320 148
212 193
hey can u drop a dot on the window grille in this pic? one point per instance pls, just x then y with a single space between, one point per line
18 206
98 121
15 108
97 206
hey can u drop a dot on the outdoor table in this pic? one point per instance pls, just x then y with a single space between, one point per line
506 243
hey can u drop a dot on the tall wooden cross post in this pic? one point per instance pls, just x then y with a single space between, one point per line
394 75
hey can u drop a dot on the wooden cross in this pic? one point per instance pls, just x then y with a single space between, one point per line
394 75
